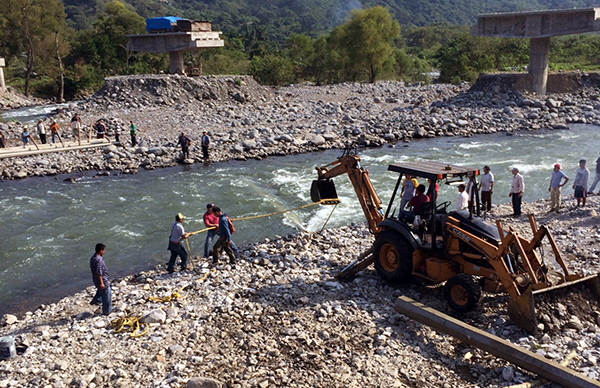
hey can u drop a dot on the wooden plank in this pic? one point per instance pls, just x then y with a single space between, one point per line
535 363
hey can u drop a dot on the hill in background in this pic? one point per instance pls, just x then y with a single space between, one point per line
278 18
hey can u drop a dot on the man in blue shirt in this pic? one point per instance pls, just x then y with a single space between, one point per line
100 277
555 187
224 241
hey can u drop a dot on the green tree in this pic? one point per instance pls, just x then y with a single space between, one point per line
272 69
463 58
368 39
26 25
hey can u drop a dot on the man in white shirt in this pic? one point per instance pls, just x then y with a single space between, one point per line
487 188
463 198
581 183
516 191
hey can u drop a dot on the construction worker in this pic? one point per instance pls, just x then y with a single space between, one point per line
224 241
54 130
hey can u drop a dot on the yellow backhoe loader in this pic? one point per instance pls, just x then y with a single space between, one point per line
455 247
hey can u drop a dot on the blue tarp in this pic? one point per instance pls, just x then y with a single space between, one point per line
161 23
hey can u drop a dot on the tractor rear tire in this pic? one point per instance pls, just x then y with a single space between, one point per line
462 292
393 257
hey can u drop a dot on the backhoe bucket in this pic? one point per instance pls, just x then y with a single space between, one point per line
323 190
522 309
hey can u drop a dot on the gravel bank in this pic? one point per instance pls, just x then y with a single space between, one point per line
246 120
279 318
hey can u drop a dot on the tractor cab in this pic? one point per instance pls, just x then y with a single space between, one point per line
428 221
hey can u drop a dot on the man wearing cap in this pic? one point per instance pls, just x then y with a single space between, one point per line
555 187
211 221
175 243
516 191
581 183
596 178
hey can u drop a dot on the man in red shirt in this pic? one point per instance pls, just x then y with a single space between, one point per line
211 221
415 203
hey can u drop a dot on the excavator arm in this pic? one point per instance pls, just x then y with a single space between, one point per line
323 188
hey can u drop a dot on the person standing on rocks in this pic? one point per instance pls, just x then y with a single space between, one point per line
210 221
581 183
516 191
556 187
184 141
408 190
41 128
205 143
76 127
25 136
596 178
100 277
223 243
100 130
117 130
54 130
133 133
463 198
487 188
176 238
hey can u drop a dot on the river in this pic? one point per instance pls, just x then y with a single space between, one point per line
49 226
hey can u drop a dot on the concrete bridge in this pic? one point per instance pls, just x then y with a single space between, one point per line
538 27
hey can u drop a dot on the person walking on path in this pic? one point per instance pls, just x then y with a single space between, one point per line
210 221
408 190
133 133
76 127
41 128
205 143
176 238
516 191
25 136
100 277
596 178
224 237
184 141
54 130
487 188
581 183
556 187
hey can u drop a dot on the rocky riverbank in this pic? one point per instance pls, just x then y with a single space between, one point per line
246 120
279 318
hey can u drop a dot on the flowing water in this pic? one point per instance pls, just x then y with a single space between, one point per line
49 227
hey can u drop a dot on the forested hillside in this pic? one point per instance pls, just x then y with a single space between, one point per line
278 18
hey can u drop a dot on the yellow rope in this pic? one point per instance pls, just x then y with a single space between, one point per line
328 201
132 324
169 298
327 220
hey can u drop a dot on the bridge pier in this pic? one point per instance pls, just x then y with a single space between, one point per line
538 64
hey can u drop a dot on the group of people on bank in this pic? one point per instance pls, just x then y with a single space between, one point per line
413 194
99 127
217 223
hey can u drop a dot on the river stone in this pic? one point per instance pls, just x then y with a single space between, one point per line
20 174
204 382
158 151
249 144
317 140
9 319
154 316
286 138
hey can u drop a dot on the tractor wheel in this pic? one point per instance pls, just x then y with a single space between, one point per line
462 292
393 257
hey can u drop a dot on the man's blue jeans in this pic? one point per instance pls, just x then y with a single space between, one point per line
104 297
177 250
209 237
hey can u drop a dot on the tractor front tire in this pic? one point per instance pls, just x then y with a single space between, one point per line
462 292
393 257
